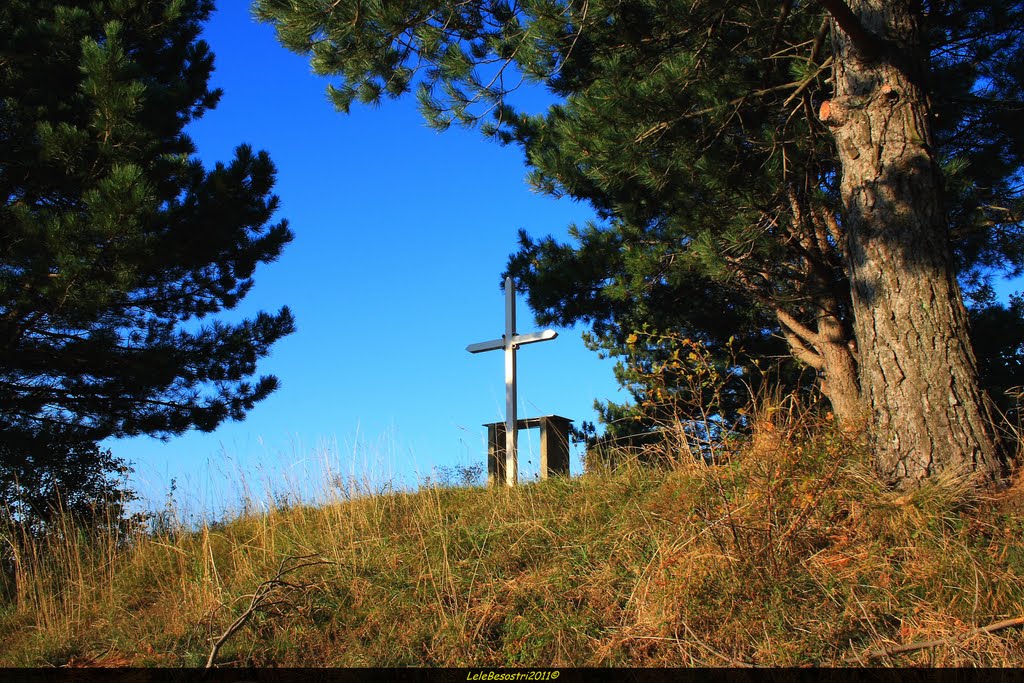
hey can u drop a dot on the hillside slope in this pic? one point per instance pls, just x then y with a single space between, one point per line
789 554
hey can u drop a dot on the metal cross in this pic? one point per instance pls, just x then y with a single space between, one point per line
509 342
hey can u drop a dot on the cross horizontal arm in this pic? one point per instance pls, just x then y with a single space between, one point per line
486 346
533 337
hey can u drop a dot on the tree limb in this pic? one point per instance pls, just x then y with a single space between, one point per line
798 328
819 41
787 5
801 352
924 645
260 599
807 81
867 43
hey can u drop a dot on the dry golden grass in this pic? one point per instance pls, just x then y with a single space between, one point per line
789 553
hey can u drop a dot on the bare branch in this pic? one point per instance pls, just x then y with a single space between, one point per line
924 645
834 230
802 352
260 598
798 328
819 41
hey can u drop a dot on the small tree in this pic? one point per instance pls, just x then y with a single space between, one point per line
47 477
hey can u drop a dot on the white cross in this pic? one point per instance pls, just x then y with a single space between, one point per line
510 341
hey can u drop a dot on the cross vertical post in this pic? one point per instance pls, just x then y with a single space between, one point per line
511 389
509 343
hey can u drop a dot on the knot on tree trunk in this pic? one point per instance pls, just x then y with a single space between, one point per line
832 113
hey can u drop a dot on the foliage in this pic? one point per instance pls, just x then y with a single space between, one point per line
49 475
569 285
689 143
997 331
678 110
116 244
467 55
687 400
458 475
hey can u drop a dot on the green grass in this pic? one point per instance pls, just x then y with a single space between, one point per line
791 553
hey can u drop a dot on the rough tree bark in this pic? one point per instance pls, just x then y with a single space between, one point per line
917 370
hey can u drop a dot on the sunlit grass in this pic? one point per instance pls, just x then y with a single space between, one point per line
790 552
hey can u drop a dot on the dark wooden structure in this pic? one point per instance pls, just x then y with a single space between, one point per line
554 447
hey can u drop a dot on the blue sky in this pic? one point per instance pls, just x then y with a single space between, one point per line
401 236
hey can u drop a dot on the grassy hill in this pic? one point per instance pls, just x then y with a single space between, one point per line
790 553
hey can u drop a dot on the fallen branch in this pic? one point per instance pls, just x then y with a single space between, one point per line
260 598
924 645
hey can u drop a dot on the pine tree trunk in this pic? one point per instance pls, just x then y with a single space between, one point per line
918 375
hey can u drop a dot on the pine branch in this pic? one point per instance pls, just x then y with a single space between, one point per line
579 32
807 81
819 41
784 11
835 231
744 98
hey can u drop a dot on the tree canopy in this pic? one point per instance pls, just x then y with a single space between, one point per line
831 173
735 176
117 247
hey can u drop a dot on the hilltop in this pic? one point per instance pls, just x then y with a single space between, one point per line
789 553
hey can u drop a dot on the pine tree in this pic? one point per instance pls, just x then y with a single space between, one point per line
735 142
117 247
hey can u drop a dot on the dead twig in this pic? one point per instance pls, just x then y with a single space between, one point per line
924 645
261 597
